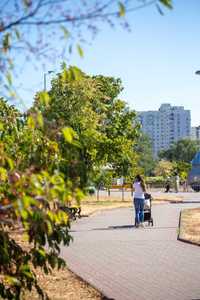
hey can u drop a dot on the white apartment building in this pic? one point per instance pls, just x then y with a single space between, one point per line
165 126
195 133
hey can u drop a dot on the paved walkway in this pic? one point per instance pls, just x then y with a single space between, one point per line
126 263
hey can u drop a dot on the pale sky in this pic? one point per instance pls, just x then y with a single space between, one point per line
156 61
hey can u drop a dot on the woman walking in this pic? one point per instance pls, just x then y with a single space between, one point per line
140 189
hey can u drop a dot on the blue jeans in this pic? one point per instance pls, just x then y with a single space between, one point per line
139 210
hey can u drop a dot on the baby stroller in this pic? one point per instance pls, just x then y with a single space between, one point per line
147 209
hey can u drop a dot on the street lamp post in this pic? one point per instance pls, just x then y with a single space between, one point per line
45 79
197 73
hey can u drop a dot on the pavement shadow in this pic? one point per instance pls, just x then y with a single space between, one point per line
188 202
122 227
115 227
133 227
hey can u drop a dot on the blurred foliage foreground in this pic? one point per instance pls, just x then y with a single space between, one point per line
48 157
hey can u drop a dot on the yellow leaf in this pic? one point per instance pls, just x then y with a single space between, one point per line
31 122
12 280
68 134
40 119
122 9
65 31
80 50
3 174
1 126
49 227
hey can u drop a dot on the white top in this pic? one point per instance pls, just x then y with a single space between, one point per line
139 193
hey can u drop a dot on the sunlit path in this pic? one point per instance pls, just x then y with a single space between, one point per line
127 263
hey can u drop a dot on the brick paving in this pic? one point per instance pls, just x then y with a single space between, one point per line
126 263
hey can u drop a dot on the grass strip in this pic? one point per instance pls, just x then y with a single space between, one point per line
189 230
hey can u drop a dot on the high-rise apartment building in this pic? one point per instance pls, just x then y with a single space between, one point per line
195 133
165 126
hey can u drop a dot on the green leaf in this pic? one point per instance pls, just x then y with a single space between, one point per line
65 31
64 75
51 216
9 78
44 98
10 163
42 252
57 179
6 42
63 65
25 269
49 227
24 214
74 73
80 51
167 3
122 9
17 33
62 216
40 119
28 201
79 195
1 126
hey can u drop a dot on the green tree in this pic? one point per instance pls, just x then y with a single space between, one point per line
182 168
31 192
61 144
23 139
163 168
102 124
183 150
34 151
144 149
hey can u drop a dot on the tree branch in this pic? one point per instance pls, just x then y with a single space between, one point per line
21 19
92 15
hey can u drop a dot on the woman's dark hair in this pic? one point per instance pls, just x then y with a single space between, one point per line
141 180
